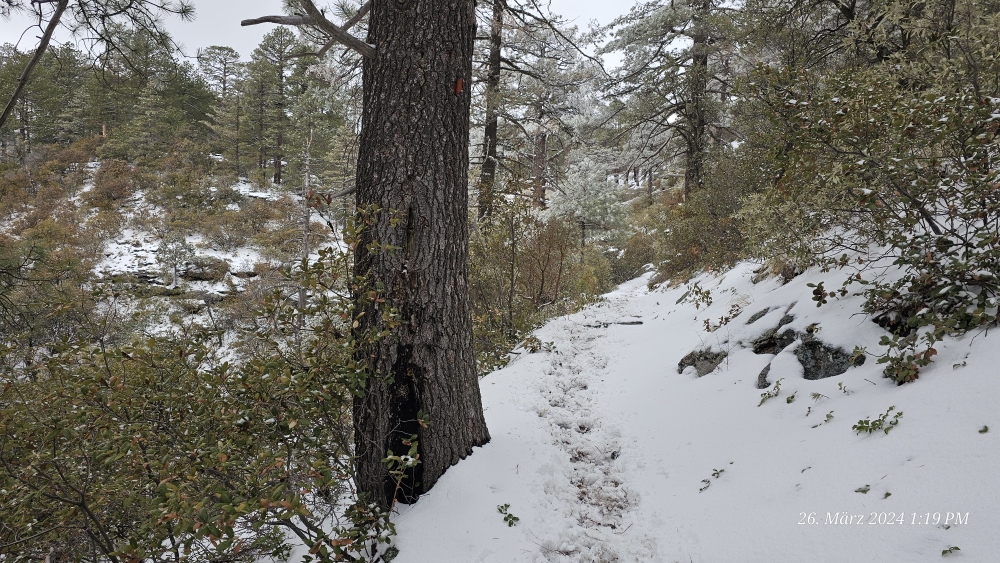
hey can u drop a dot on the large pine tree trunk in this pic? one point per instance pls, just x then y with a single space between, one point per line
697 78
413 165
487 177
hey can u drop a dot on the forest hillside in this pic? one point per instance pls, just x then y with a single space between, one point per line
427 281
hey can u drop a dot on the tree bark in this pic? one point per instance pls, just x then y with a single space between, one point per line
487 177
697 98
538 169
413 166
277 157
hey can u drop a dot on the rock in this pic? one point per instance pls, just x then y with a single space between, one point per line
789 271
820 360
771 342
145 276
757 316
192 306
703 361
785 320
776 268
762 382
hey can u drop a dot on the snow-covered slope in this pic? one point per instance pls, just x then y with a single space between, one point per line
606 453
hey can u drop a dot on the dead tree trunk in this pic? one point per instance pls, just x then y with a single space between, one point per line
413 165
487 177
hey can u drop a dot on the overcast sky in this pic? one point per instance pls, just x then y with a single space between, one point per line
217 22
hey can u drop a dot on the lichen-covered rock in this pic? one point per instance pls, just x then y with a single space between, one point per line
757 316
820 360
704 361
771 342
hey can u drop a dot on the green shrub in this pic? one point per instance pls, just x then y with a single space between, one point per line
523 271
871 162
114 183
160 450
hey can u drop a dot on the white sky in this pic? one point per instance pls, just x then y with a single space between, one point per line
217 22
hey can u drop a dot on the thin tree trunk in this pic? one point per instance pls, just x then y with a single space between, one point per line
538 170
513 275
237 156
306 219
43 44
487 176
277 157
649 184
413 165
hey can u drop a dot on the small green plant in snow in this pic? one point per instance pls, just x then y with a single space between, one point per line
774 392
881 423
509 518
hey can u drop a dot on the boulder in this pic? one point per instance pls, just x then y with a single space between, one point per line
820 360
704 361
771 342
757 316
762 382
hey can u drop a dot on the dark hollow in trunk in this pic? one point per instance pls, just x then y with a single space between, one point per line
413 165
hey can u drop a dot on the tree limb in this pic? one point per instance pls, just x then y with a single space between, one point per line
348 191
46 37
315 18
362 12
280 20
336 33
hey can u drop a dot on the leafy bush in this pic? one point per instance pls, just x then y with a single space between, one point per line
158 449
114 182
232 229
704 232
901 157
522 271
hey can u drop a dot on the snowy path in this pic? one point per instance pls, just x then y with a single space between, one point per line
603 450
604 510
585 508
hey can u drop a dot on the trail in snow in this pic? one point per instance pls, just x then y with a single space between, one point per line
607 454
591 441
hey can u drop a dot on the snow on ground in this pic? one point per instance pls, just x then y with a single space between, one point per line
603 450
249 190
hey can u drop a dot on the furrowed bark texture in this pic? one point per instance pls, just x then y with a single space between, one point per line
413 165
697 76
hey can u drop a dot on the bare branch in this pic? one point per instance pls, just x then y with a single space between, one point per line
315 18
336 33
280 20
42 45
362 12
348 191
